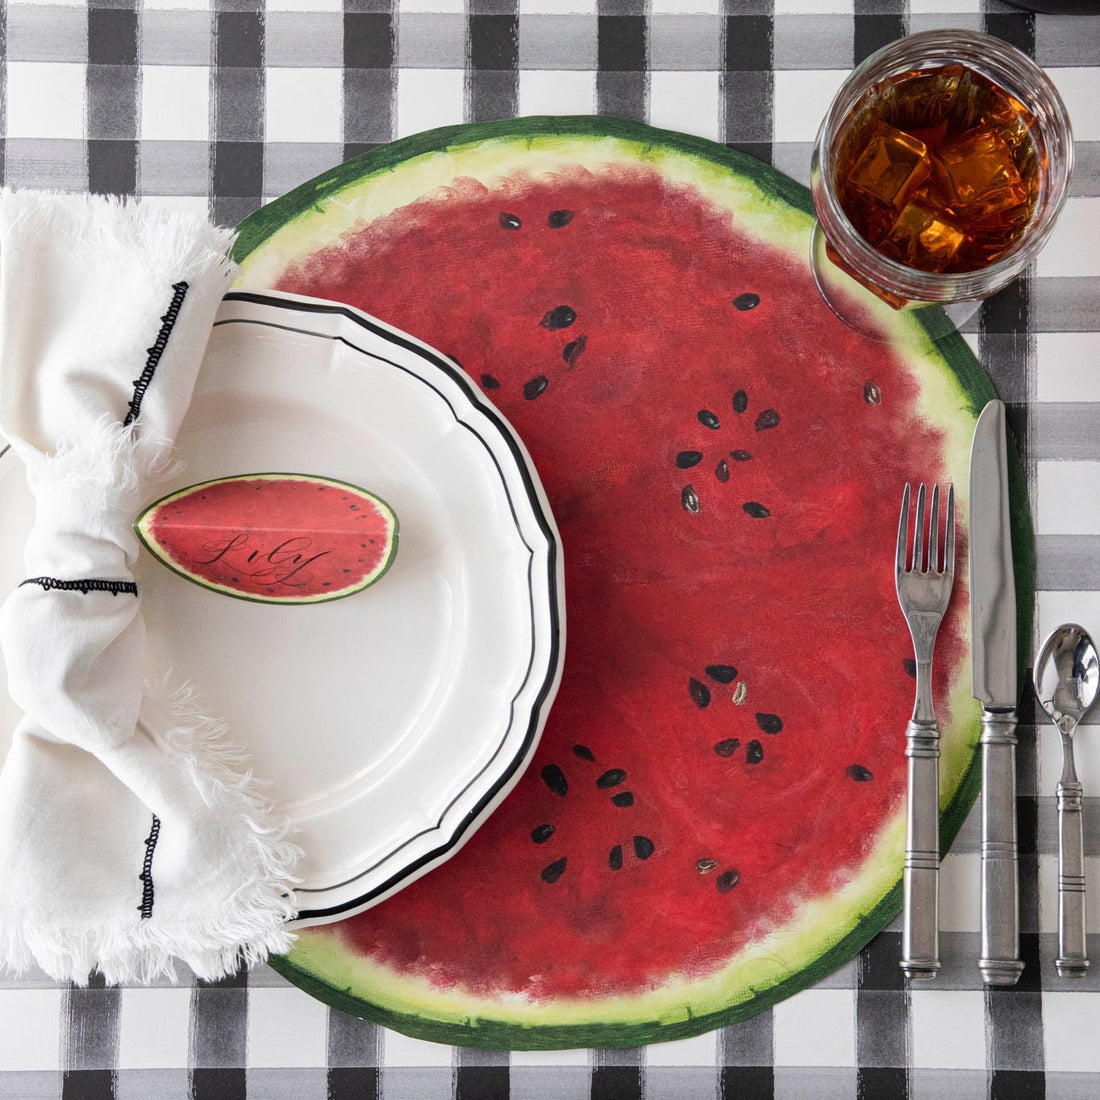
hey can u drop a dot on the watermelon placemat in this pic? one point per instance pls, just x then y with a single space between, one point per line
715 815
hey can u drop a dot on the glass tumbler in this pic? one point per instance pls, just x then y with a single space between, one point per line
853 271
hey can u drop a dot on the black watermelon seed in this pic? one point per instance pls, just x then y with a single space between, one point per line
769 418
724 674
740 456
769 723
489 382
700 693
740 401
558 317
623 798
872 394
540 834
746 301
572 351
722 471
553 871
557 218
910 666
509 221
555 779
755 509
689 499
643 847
686 459
708 419
727 747
754 752
584 752
705 865
615 858
859 773
611 778
535 387
727 880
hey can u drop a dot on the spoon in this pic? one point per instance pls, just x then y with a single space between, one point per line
1067 676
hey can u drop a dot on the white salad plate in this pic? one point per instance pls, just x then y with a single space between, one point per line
391 723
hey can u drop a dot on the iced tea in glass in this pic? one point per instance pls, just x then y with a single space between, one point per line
938 173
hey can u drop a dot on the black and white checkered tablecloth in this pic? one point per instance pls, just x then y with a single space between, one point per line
227 103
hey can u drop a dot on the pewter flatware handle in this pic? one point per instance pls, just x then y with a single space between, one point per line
920 944
1072 961
1000 959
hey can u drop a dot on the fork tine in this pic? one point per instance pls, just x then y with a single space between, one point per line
949 551
903 532
934 532
918 532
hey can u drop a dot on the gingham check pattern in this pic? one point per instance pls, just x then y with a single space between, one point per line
225 104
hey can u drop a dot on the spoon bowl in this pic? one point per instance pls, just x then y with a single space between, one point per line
1067 679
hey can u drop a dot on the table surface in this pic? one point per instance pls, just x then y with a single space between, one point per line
224 104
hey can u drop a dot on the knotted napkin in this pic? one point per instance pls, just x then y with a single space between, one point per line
129 836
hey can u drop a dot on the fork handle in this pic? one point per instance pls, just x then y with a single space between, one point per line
1000 958
920 944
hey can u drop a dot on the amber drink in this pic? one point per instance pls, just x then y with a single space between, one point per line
940 169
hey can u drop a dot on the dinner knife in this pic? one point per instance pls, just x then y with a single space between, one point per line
993 667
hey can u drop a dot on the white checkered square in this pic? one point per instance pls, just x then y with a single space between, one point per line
153 1028
175 103
333 6
686 7
285 1028
557 7
1078 88
1061 506
687 102
304 105
702 1050
948 1028
45 100
177 5
1071 1024
816 1028
29 1021
428 98
802 96
549 93
403 1050
433 7
1059 376
1073 250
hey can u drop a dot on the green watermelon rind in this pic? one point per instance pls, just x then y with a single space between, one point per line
144 522
971 389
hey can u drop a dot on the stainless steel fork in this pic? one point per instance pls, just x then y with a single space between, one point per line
924 588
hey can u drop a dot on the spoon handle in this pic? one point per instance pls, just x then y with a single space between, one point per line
1072 961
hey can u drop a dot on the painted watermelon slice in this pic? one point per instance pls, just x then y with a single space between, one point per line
273 538
714 817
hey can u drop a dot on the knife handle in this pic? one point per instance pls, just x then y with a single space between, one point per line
1072 961
920 943
1000 962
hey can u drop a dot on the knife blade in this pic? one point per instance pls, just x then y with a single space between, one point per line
993 668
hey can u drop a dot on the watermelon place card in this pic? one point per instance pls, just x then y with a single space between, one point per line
275 538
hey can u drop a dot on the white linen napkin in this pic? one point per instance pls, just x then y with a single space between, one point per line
128 835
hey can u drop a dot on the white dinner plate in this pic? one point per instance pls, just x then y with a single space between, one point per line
389 724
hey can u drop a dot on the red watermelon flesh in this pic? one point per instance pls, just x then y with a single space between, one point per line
626 328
